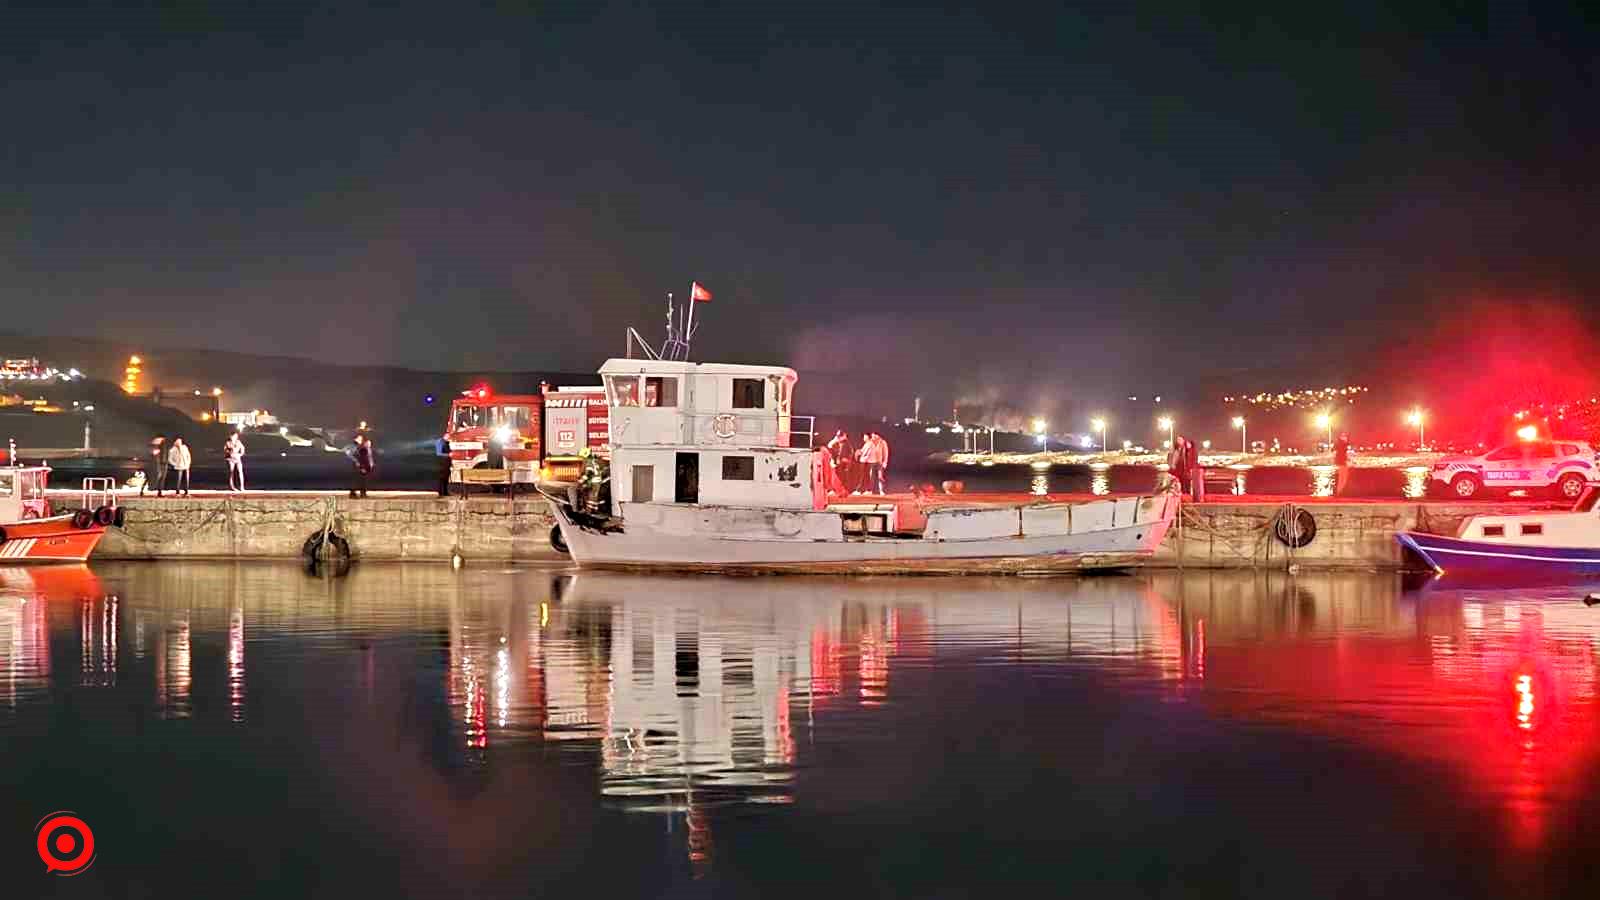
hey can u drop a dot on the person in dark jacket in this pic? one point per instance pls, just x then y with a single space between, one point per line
361 456
155 466
441 464
1178 462
1341 463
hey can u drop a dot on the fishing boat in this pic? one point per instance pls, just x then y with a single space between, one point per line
31 531
1531 545
710 470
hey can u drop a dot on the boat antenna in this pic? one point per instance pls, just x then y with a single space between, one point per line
649 351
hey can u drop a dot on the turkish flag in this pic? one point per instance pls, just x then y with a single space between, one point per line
696 292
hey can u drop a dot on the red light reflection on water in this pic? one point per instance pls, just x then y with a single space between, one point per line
1503 708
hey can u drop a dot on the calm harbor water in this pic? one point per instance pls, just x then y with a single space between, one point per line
410 730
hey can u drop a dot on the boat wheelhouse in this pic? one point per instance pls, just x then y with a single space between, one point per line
30 531
710 469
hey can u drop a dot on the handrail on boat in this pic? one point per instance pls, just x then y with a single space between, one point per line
99 491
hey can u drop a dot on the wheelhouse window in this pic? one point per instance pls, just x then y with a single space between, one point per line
661 392
738 468
749 393
468 417
622 390
6 484
32 484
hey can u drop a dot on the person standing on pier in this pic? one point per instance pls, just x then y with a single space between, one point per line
844 459
1178 462
441 464
362 458
883 463
155 467
1197 473
1341 463
234 451
871 459
179 460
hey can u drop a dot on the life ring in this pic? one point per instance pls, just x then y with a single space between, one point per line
104 516
558 541
1298 533
724 426
312 548
83 518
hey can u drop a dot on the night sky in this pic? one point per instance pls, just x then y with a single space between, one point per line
1026 200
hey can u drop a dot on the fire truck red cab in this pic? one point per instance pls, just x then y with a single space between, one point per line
532 436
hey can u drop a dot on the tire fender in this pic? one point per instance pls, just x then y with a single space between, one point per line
83 518
1298 533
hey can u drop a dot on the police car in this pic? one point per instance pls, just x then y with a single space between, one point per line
1563 467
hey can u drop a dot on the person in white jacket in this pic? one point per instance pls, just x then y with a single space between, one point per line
178 461
234 451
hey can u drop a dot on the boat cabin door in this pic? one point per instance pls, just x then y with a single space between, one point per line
686 480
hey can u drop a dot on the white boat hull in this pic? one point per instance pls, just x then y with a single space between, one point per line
1062 537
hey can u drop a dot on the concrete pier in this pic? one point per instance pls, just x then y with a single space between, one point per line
393 526
1235 533
1243 532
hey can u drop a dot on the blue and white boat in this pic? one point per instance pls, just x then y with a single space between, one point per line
1532 545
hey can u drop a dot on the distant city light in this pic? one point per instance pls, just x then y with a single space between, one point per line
1164 423
1038 426
1300 399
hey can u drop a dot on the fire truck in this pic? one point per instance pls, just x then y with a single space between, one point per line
532 436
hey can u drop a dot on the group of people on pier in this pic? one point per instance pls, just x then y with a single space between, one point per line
171 463
859 470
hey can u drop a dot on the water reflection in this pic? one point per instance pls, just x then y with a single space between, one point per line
689 698
1416 486
1099 479
1323 480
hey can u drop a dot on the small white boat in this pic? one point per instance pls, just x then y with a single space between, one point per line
1536 545
709 473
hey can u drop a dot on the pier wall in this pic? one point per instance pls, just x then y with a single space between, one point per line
421 528
1224 534
1229 534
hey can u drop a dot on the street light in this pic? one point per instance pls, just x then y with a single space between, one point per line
1100 426
1038 430
1416 417
1244 442
1325 421
1165 424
